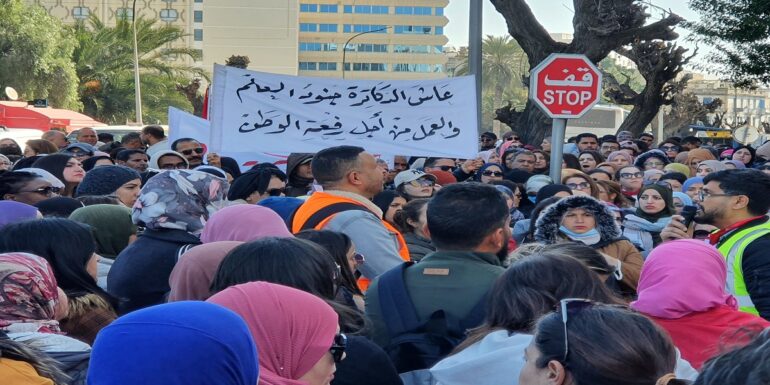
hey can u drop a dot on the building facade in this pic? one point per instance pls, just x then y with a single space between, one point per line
356 39
738 104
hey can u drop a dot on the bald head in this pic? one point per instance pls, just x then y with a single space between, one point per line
56 137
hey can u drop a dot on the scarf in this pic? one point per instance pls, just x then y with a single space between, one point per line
111 224
12 211
28 294
682 277
639 230
207 344
179 199
244 223
292 328
192 275
589 238
667 211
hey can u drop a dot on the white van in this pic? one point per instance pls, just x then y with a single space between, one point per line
20 135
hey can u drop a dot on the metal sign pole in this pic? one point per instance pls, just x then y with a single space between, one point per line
558 130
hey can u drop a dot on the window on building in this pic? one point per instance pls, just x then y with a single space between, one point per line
327 66
328 47
308 27
422 11
197 16
308 66
124 13
404 10
439 11
358 28
198 1
405 67
169 15
363 8
380 9
328 8
308 7
80 13
366 9
439 30
198 34
347 9
327 27
438 68
364 47
413 29
368 67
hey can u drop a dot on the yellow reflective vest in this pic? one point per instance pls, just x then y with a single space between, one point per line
732 248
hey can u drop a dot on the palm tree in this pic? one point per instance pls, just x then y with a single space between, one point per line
503 63
104 60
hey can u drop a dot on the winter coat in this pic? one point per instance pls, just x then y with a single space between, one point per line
86 316
611 242
139 276
418 246
297 186
71 354
643 157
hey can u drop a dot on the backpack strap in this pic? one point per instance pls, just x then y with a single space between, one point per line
396 306
328 211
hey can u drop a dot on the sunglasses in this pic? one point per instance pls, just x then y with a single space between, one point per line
511 139
447 168
174 166
276 192
629 175
422 182
492 173
669 148
47 191
567 307
578 186
359 258
338 347
198 151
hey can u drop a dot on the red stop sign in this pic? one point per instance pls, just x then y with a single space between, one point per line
565 86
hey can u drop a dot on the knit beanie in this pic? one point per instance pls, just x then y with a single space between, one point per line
105 180
677 167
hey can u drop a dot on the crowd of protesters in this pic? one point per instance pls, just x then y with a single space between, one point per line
144 261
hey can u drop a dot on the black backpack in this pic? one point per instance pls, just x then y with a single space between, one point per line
416 345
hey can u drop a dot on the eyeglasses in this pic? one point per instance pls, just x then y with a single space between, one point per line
567 307
492 173
198 150
578 186
447 168
47 191
359 258
703 194
629 175
422 182
174 166
511 139
669 148
276 192
338 347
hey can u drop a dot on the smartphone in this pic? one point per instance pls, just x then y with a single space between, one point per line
688 212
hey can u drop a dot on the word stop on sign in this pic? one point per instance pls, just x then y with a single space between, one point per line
568 97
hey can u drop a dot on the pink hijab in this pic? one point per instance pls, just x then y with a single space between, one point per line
292 329
192 275
682 277
244 223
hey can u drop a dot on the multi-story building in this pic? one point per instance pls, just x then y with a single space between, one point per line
738 104
357 39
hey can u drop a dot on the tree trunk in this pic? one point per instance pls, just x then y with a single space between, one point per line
642 113
498 100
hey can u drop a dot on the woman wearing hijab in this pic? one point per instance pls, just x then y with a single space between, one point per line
192 275
173 208
489 156
30 306
695 156
113 229
733 164
96 161
120 181
682 288
58 207
744 154
65 168
585 220
655 206
12 212
390 203
620 159
5 163
680 200
708 166
256 185
74 266
652 160
298 339
181 343
243 223
488 173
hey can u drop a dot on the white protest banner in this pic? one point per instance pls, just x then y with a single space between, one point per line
256 111
182 124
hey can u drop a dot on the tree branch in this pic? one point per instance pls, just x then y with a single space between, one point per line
528 32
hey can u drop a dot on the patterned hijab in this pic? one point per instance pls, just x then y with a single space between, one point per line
179 199
28 294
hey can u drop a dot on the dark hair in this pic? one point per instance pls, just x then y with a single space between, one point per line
677 176
10 150
609 139
337 244
66 245
90 163
54 163
461 215
647 134
571 161
613 187
532 287
42 146
691 140
124 155
752 183
539 207
600 171
131 136
60 207
489 134
11 182
330 165
105 137
410 211
90 200
176 143
598 158
255 180
154 131
745 364
580 136
607 345
431 162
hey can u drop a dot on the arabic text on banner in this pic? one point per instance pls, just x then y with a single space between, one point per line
255 111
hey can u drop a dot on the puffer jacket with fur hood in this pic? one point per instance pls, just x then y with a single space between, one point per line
611 241
643 157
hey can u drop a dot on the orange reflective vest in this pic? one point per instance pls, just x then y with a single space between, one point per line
320 200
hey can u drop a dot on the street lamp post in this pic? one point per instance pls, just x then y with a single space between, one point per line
137 86
344 48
